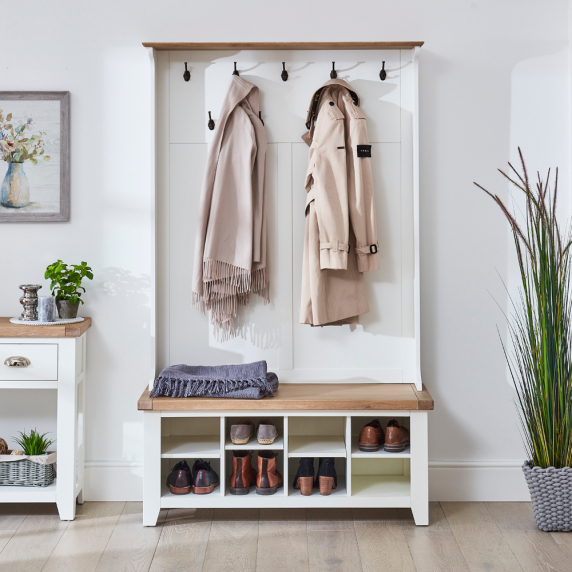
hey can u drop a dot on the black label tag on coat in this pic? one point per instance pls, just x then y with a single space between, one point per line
364 150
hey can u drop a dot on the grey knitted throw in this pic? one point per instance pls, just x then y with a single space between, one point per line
243 381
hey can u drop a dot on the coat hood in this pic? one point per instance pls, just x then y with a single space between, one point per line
312 110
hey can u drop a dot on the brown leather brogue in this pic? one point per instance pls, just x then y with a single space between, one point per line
268 480
396 437
243 474
371 436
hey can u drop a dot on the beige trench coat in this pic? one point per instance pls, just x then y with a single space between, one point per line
340 241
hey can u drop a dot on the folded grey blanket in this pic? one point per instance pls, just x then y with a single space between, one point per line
243 381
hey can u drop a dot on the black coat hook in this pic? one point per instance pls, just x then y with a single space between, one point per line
260 117
333 73
187 73
382 73
284 74
235 72
211 122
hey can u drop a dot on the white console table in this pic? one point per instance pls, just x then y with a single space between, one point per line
57 357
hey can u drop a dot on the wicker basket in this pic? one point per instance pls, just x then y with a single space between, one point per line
25 473
551 495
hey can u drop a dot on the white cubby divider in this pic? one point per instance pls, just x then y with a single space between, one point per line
378 479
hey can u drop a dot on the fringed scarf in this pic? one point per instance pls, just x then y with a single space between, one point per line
230 246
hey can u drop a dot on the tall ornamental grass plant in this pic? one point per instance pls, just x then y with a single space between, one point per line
539 324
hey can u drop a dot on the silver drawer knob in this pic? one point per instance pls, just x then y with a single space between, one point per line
17 361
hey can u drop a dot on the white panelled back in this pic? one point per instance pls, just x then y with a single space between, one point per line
382 346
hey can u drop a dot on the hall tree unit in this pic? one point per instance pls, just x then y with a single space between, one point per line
352 373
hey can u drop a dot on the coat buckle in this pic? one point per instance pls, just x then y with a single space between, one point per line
373 249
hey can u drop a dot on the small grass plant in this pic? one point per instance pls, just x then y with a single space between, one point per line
539 324
33 443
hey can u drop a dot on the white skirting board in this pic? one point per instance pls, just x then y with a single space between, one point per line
448 481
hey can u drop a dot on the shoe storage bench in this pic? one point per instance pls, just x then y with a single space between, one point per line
313 420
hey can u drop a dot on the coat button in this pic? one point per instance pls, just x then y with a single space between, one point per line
331 103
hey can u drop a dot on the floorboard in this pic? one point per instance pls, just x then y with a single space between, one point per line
333 551
282 541
131 546
81 546
329 519
233 541
381 541
183 543
32 544
11 518
480 540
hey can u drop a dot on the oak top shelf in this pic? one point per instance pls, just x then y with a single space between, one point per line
10 330
306 396
203 46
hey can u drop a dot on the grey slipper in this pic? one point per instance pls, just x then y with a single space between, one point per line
241 433
267 432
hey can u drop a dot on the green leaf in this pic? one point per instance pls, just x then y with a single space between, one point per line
47 158
8 117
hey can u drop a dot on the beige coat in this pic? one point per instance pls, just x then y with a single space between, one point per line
341 236
230 245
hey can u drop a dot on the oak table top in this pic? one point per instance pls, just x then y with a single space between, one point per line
10 330
306 396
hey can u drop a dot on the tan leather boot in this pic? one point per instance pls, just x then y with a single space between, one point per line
396 437
268 480
243 474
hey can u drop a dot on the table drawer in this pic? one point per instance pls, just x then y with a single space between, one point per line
43 362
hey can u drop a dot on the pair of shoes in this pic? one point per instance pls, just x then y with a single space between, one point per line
243 431
202 479
326 479
267 479
395 438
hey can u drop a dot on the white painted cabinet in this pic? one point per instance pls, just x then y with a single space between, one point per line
57 362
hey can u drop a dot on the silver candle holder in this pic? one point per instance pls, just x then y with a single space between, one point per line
30 302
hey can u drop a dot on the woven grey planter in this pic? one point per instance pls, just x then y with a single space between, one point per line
551 495
24 473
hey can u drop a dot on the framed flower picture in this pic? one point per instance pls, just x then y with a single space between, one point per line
34 156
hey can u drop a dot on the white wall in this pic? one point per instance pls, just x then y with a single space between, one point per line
493 75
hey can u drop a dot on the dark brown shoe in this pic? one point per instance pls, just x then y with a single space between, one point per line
396 437
268 480
243 475
371 436
179 479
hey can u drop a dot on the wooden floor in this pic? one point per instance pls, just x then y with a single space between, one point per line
108 537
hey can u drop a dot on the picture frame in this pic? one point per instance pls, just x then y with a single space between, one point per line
34 156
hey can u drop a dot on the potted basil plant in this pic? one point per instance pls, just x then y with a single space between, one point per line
540 360
66 286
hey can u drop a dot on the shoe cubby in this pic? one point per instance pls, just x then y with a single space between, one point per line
357 424
316 497
382 478
316 436
190 437
253 444
252 495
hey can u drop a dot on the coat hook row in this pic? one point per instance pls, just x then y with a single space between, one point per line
210 124
284 74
